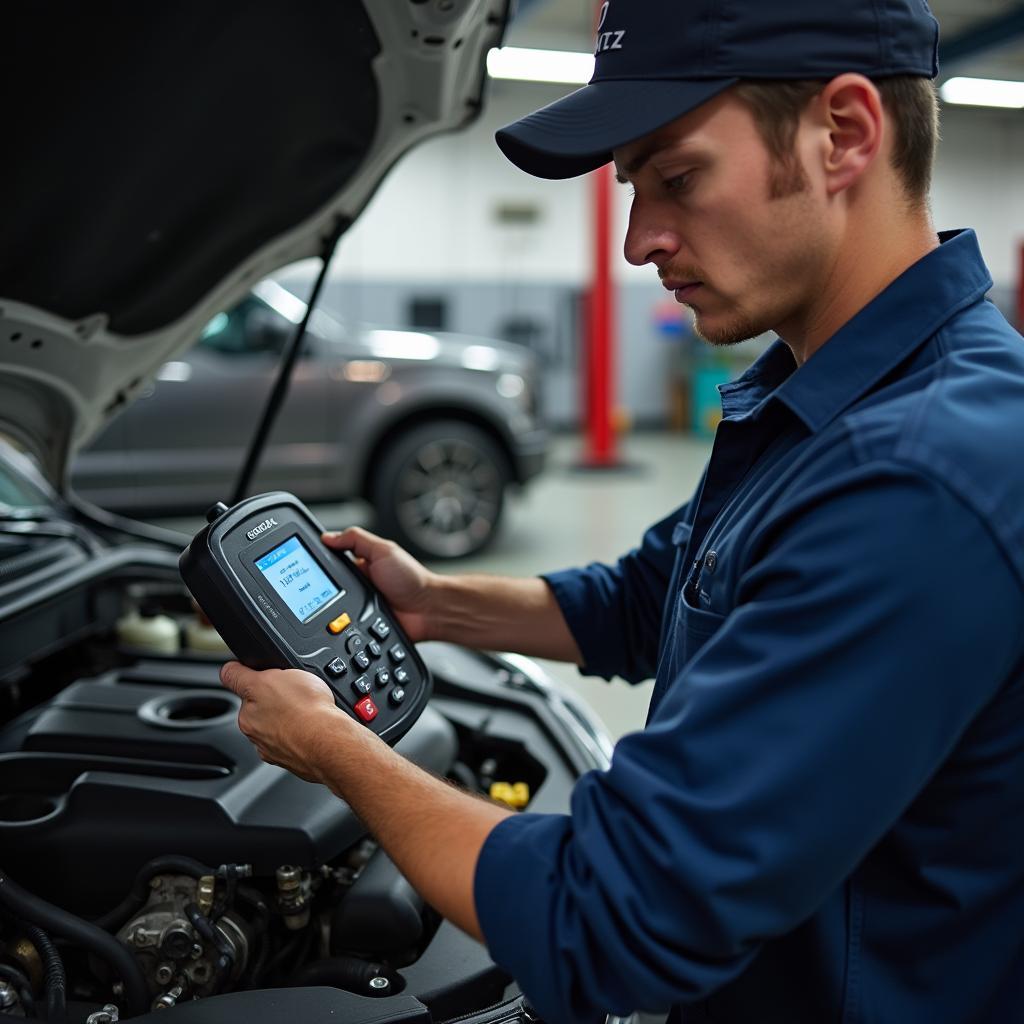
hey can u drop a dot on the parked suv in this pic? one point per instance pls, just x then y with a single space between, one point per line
431 428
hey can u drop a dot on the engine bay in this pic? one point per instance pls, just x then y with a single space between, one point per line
150 852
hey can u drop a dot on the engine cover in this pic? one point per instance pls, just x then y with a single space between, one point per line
148 761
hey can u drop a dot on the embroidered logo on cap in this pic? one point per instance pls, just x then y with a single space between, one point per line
608 40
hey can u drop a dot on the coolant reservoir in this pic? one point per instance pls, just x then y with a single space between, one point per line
201 636
149 632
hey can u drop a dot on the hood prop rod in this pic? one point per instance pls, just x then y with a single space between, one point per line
279 391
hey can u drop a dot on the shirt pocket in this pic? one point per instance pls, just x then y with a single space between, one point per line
685 629
689 629
693 626
696 626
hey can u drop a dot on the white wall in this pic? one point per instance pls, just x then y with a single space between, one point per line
433 219
979 183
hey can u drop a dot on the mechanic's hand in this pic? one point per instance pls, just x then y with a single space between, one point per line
403 581
284 713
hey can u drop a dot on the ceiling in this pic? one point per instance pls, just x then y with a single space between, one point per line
981 38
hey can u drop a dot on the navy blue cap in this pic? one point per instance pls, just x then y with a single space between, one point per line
659 59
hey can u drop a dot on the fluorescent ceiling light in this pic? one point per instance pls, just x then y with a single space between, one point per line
983 92
526 65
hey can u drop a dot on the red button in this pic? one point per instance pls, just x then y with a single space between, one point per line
366 710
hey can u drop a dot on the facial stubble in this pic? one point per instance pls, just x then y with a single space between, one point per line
787 180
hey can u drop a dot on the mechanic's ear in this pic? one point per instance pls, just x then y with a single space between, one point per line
853 113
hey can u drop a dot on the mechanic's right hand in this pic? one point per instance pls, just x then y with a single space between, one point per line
403 581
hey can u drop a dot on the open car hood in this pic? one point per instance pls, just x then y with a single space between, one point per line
162 158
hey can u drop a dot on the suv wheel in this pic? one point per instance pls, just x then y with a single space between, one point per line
439 490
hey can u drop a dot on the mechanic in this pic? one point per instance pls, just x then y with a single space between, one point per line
824 817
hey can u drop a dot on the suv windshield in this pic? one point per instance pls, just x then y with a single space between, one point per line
16 492
251 326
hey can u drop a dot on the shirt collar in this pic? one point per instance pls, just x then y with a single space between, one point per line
876 340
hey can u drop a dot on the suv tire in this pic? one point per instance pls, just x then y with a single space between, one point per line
439 489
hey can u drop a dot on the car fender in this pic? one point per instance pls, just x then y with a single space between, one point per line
441 403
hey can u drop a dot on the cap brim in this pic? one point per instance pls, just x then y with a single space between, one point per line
577 134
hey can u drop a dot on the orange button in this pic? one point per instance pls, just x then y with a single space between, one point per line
340 623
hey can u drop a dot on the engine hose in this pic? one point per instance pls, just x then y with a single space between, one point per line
56 977
22 986
37 911
221 973
231 873
226 955
202 924
345 972
171 864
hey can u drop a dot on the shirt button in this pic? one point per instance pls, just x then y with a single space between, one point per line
710 561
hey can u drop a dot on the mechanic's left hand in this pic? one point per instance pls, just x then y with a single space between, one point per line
284 712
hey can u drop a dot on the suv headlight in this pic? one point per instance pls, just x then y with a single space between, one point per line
511 385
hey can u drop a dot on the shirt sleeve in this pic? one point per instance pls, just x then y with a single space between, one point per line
614 612
872 624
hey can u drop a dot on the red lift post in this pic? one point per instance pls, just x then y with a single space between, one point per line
597 377
601 319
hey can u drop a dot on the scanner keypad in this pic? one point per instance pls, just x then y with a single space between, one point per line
378 668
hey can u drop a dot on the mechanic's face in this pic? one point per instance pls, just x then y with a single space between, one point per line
708 213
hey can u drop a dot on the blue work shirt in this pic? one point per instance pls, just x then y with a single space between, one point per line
823 820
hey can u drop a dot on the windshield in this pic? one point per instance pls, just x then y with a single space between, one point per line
17 492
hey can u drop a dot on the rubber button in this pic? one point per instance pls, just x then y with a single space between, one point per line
397 652
355 642
383 677
396 696
361 685
361 660
366 709
401 676
374 648
337 667
343 621
380 629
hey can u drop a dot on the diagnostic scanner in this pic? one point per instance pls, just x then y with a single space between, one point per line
281 598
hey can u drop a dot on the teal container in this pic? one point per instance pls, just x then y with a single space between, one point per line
706 402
